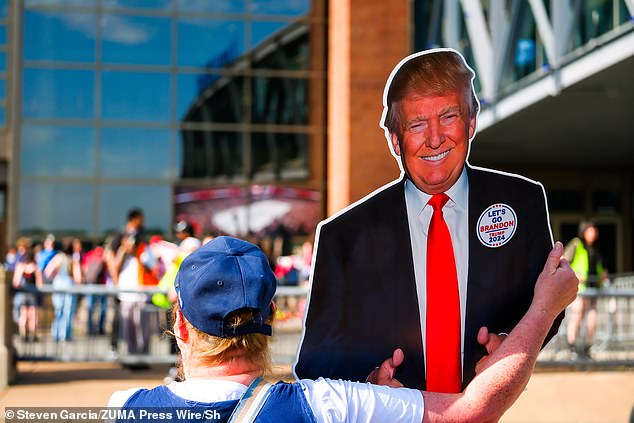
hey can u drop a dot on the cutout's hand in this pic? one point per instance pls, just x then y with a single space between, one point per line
491 342
384 374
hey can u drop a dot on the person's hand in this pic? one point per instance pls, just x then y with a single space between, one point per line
384 374
491 342
556 286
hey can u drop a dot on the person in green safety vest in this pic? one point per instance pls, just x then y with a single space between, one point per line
585 261
167 297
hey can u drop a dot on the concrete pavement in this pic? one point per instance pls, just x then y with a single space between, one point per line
553 397
575 397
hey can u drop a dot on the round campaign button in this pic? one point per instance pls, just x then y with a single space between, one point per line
496 225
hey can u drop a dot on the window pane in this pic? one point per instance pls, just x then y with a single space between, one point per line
563 200
135 153
48 207
525 55
262 30
68 36
280 100
4 10
3 34
604 201
210 98
58 94
596 18
206 154
276 7
140 4
3 62
209 42
136 39
136 96
154 200
3 89
217 6
3 116
623 12
57 151
291 47
279 156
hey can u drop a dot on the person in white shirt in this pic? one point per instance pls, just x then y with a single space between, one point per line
223 325
134 319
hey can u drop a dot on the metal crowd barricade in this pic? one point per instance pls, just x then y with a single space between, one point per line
84 344
613 342
94 346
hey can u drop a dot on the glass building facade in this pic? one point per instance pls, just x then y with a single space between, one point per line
440 23
122 103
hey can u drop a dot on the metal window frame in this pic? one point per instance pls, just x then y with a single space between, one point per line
492 43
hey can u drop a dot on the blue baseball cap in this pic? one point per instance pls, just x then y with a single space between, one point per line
221 277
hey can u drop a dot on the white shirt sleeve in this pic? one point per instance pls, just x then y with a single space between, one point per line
344 401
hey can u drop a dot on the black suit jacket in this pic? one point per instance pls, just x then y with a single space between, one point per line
363 302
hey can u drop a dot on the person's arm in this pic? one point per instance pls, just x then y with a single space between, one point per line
497 387
510 366
539 244
76 272
114 260
109 257
17 275
109 261
542 243
39 280
119 258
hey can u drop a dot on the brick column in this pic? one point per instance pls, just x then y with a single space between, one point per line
366 40
7 366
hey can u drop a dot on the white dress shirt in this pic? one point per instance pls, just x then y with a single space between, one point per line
456 214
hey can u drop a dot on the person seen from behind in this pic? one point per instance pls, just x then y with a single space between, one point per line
27 278
135 322
47 252
115 254
222 324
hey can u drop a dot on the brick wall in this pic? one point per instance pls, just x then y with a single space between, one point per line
366 40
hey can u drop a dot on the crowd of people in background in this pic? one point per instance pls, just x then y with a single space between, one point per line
131 260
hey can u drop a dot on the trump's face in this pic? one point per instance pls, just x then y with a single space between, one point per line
435 139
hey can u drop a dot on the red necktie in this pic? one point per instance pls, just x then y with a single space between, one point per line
443 306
